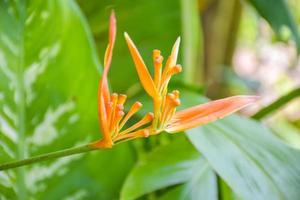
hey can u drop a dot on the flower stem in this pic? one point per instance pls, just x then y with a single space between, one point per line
47 156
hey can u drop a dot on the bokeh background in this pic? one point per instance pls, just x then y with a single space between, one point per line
51 56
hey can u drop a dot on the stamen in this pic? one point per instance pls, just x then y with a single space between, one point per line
146 119
109 108
134 108
175 103
116 118
157 62
167 107
114 99
167 75
166 70
133 135
175 70
176 93
122 99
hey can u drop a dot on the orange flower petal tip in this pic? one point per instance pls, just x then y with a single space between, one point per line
141 68
174 53
208 112
112 26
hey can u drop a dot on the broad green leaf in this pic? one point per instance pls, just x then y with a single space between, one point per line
278 14
48 101
202 186
249 158
165 166
99 175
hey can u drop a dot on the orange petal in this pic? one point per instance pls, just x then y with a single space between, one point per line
141 68
208 112
103 90
103 121
111 41
108 55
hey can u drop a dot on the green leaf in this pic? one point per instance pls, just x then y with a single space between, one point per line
249 158
165 166
278 14
203 185
48 101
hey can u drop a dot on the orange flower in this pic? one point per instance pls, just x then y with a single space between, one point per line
111 106
165 116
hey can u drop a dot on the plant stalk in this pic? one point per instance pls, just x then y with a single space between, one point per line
48 156
283 100
192 43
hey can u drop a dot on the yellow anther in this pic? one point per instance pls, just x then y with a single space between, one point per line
122 98
157 62
175 70
176 93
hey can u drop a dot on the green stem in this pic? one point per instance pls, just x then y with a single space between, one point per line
277 104
192 42
47 156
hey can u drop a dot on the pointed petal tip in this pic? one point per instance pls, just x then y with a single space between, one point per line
248 98
178 40
174 52
113 20
112 13
177 43
128 39
126 35
141 68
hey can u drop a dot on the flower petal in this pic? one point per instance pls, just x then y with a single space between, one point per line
141 68
174 53
111 41
103 90
108 55
208 112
